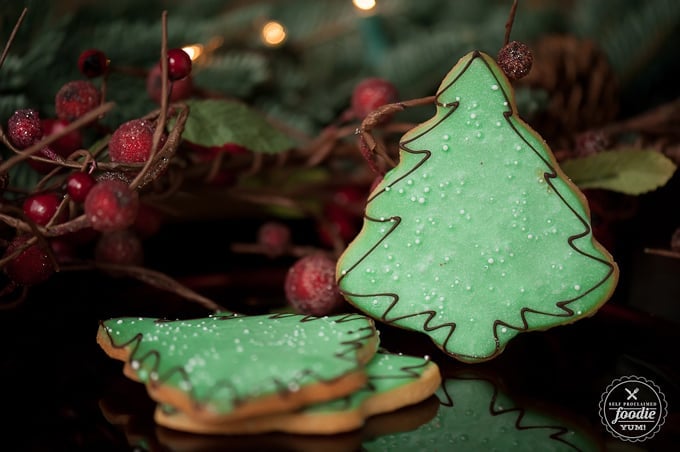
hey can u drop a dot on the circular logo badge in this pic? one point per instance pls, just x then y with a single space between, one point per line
633 408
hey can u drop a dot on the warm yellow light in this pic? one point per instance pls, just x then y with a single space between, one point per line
273 34
194 51
364 5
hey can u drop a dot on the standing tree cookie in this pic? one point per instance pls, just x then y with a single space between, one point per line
477 234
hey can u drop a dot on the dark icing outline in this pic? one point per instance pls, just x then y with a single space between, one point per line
283 389
396 220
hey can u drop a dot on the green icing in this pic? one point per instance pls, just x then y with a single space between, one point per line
386 372
476 235
225 359
474 415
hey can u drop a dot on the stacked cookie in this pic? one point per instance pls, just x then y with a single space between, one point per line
229 373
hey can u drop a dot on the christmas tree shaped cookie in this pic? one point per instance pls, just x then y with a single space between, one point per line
226 367
477 234
394 381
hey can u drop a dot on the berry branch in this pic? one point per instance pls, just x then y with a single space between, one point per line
93 194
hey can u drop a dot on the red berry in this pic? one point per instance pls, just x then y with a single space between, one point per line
148 222
131 142
590 142
179 64
372 93
350 197
31 266
274 237
75 98
63 250
78 185
339 223
179 89
111 205
515 59
119 247
68 143
24 128
41 207
82 237
93 63
310 286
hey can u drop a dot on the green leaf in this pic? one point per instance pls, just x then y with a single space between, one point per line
215 122
628 171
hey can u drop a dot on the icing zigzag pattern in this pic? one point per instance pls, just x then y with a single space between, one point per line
476 228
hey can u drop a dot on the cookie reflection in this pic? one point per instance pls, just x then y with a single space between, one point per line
476 414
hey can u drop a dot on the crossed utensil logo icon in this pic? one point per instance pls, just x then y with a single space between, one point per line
631 394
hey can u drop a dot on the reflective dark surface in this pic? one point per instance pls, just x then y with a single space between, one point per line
542 393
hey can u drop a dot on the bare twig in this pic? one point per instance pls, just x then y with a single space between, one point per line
162 116
510 22
150 277
78 123
663 252
5 51
377 116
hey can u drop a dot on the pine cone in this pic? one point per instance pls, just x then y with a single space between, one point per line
582 88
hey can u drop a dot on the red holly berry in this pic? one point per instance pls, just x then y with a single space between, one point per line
41 207
68 143
342 214
515 60
78 185
75 98
339 224
63 250
93 63
24 128
111 205
350 197
179 64
372 93
274 238
179 89
121 247
31 266
310 286
83 237
148 221
590 142
131 142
